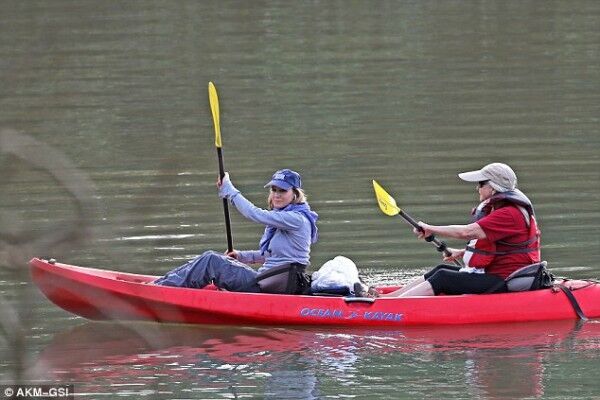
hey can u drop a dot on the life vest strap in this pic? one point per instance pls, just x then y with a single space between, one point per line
532 239
501 253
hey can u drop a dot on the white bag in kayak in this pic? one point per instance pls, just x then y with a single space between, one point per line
336 276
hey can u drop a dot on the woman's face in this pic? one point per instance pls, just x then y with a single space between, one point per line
485 190
281 198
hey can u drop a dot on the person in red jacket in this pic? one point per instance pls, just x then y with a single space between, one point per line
503 237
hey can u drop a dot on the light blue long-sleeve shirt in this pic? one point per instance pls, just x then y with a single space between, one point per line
291 241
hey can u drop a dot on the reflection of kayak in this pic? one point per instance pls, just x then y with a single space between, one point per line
500 360
103 294
101 341
94 345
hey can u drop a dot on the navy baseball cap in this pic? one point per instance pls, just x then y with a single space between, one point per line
285 179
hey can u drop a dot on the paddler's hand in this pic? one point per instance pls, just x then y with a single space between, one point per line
232 254
455 254
226 188
221 181
425 232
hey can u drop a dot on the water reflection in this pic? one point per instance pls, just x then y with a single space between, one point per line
493 361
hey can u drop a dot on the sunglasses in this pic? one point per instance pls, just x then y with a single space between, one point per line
482 183
275 189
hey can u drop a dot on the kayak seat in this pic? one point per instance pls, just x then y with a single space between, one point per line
284 279
530 277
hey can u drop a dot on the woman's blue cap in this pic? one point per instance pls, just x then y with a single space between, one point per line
285 179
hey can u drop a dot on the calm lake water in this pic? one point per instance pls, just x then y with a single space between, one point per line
107 160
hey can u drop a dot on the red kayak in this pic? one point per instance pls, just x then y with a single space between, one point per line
110 295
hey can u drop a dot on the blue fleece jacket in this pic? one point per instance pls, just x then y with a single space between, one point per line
295 230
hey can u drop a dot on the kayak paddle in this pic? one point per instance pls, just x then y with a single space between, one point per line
214 108
388 206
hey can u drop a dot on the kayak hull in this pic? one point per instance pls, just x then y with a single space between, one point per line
100 294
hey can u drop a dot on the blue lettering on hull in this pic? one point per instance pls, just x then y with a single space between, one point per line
340 314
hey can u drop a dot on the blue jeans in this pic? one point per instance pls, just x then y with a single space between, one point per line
225 272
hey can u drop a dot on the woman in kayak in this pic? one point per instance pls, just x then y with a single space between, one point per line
284 249
503 237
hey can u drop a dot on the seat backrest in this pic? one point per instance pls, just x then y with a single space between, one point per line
284 279
529 277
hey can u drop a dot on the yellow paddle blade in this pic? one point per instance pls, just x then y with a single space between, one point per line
387 204
214 108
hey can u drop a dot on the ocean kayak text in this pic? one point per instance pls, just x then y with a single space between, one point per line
336 313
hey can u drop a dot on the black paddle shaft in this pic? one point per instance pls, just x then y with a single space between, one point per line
225 203
439 245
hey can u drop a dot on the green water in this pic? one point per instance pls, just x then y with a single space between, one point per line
107 159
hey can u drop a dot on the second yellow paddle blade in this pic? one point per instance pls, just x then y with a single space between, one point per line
214 108
387 204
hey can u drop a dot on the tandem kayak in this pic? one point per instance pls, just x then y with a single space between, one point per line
100 294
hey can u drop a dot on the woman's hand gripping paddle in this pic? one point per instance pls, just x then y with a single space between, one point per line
214 108
388 206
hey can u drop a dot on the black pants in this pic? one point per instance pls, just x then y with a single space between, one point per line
448 280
